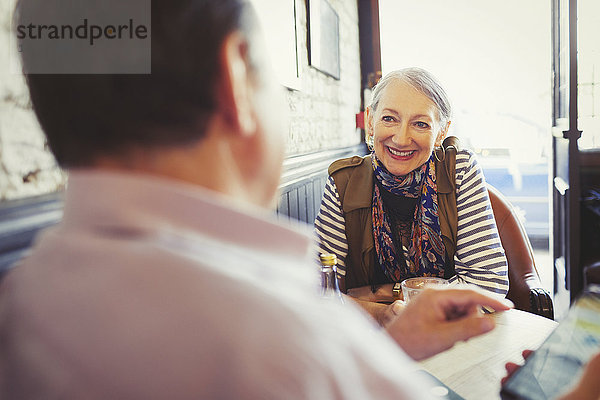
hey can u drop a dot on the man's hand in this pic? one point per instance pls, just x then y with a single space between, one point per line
511 367
436 319
588 387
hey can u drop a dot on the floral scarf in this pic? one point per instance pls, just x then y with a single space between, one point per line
426 250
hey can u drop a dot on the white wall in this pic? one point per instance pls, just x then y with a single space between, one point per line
26 166
322 111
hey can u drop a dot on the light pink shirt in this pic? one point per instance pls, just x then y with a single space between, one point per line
154 289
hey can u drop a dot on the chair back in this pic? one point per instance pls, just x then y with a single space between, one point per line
525 289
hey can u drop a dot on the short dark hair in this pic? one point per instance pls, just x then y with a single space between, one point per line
87 116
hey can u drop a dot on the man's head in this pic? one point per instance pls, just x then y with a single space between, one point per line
209 79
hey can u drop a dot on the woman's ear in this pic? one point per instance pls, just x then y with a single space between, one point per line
236 86
369 125
442 134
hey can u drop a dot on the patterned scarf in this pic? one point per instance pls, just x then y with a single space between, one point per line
426 250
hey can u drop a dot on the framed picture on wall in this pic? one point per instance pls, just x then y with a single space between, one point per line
324 37
278 20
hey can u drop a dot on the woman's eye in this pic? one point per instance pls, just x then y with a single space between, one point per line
422 125
387 118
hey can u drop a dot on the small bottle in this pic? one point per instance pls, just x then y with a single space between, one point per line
329 282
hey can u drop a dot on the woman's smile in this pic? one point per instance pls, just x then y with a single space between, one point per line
400 155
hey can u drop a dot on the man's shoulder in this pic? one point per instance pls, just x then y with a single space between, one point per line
222 307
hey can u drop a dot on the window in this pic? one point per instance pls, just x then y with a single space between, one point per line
588 73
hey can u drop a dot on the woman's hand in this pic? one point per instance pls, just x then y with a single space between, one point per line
373 303
382 294
384 314
391 312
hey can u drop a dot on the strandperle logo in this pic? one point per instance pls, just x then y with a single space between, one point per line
82 37
83 31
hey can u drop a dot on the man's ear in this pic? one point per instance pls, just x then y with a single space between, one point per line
236 86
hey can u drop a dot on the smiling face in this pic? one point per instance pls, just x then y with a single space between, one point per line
405 128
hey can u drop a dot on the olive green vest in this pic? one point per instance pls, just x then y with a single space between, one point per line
353 179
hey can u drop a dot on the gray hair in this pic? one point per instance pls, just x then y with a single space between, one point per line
422 81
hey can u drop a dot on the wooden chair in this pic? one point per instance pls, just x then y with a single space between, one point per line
525 290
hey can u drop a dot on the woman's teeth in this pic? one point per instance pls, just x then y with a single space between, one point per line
401 153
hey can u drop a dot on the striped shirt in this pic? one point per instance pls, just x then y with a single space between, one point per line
479 257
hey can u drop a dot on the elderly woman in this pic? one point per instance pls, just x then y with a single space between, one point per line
381 216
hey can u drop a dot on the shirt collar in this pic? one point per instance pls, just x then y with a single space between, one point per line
106 199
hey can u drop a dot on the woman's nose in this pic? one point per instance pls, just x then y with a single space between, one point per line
402 136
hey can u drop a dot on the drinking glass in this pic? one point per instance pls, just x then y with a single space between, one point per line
411 287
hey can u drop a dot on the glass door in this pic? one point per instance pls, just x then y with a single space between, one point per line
565 169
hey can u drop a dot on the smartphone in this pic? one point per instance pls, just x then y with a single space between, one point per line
558 364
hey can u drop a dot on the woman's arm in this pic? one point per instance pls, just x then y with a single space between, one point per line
479 257
330 229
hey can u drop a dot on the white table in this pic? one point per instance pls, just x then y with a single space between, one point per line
473 369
